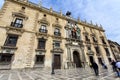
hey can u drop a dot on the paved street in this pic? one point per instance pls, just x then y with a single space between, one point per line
68 74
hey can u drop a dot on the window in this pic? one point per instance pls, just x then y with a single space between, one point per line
56 44
57 32
41 43
107 52
97 50
89 48
5 59
43 29
11 40
86 38
39 59
103 41
18 23
94 39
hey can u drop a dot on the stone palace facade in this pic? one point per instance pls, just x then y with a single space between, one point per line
32 36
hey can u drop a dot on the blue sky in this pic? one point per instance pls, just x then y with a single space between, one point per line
104 12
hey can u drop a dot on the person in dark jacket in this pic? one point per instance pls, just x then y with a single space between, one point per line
95 67
113 65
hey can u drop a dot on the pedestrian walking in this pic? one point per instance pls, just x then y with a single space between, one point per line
118 68
95 67
113 65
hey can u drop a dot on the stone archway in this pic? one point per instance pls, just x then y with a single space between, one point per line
76 59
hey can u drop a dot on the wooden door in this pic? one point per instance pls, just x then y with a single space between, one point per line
57 61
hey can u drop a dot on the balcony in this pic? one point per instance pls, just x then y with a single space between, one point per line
57 33
17 25
43 30
42 33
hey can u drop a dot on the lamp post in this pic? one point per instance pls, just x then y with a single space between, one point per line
53 61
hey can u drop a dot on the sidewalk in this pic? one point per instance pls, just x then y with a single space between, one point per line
68 74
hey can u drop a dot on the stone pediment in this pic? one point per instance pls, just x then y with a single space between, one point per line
44 21
13 30
19 14
56 25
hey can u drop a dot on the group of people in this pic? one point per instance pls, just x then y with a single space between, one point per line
116 67
95 67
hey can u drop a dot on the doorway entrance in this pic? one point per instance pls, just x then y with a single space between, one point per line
76 59
57 61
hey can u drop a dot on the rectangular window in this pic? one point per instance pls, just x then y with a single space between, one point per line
5 59
56 44
107 52
11 40
39 59
41 44
89 48
94 39
43 29
97 50
103 41
86 38
17 23
57 32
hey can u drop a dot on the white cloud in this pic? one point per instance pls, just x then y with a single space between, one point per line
106 13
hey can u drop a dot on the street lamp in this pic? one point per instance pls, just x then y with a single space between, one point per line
53 60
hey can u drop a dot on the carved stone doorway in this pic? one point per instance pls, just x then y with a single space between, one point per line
76 59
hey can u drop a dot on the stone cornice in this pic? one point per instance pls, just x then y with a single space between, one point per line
57 14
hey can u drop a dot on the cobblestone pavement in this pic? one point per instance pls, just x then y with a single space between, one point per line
68 74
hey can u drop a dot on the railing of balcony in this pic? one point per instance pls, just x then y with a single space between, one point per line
57 33
17 25
43 30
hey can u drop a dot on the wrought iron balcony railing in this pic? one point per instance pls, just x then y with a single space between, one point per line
43 30
57 33
17 25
